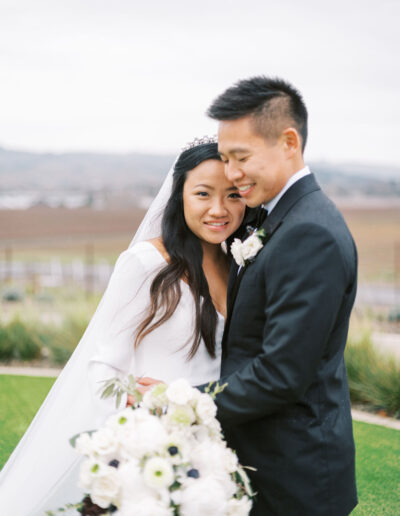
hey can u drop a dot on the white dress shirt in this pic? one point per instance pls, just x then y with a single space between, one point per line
270 205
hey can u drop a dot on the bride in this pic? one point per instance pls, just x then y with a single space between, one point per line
162 315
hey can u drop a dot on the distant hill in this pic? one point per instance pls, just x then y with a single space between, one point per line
48 177
80 170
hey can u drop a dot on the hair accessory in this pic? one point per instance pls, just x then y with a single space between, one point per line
200 141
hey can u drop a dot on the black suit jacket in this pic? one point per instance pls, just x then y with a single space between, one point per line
286 409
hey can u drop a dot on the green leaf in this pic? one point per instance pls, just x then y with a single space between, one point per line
118 400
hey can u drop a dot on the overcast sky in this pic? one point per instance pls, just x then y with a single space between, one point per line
128 75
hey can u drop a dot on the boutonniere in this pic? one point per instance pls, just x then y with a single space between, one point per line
246 251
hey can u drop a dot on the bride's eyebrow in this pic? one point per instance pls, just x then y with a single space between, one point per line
204 186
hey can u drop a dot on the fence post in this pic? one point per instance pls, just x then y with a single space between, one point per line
8 265
89 277
397 274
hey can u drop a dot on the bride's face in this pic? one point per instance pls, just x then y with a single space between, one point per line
213 208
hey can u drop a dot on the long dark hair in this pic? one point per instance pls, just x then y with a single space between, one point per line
186 257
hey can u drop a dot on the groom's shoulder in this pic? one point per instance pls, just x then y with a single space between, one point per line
316 214
317 208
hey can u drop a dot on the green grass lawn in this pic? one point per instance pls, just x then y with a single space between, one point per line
378 448
20 398
378 470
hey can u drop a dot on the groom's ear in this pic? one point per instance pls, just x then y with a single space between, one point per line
291 142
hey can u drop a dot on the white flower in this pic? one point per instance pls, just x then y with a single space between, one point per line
120 419
180 415
132 483
158 473
83 444
213 458
206 409
105 488
240 507
248 249
104 442
180 392
236 250
230 460
179 445
90 469
136 497
144 434
145 507
203 496
155 397
251 246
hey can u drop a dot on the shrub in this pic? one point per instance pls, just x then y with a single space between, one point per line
13 295
63 340
18 342
374 379
6 347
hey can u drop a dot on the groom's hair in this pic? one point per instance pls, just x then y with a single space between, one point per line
273 103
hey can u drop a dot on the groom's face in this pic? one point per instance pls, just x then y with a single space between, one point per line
256 165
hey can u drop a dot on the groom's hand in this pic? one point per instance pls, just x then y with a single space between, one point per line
145 384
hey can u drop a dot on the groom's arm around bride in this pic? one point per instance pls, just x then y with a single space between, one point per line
286 409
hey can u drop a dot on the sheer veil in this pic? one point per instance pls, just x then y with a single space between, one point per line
42 472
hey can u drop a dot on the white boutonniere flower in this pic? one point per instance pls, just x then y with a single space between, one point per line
245 252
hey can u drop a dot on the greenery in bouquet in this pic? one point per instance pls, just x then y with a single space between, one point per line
165 456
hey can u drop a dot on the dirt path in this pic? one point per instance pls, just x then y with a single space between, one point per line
30 371
358 415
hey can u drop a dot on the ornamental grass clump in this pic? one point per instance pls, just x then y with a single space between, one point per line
18 342
374 378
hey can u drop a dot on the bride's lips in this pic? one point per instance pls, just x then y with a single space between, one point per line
216 226
245 190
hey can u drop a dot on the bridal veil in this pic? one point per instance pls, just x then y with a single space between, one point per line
42 472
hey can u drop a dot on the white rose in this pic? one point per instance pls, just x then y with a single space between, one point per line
230 460
251 246
215 430
213 458
236 250
145 434
180 392
158 473
203 496
132 483
83 444
85 474
104 442
240 507
206 409
145 507
105 488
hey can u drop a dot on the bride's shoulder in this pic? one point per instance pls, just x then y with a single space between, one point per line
144 255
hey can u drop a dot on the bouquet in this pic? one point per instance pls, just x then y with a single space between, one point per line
165 456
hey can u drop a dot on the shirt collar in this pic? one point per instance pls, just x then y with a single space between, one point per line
270 205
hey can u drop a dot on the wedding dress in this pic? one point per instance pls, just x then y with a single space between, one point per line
42 472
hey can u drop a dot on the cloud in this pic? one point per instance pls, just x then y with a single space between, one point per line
126 75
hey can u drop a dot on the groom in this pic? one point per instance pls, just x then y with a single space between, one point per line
286 409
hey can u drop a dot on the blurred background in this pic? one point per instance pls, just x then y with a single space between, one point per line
98 97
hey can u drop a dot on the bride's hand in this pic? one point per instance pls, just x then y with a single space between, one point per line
145 384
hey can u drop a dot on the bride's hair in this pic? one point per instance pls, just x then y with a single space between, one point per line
186 256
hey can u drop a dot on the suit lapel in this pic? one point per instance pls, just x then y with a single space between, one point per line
302 187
